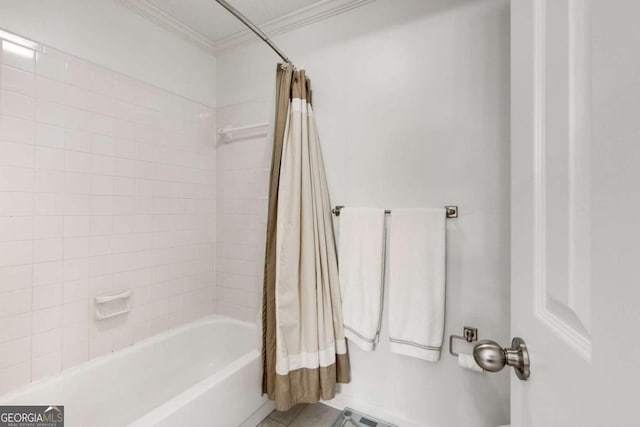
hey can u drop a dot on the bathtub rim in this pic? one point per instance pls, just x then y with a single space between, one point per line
119 354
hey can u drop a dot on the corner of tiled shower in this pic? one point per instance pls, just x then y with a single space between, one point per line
107 183
242 191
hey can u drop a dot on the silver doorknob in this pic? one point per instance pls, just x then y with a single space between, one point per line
490 356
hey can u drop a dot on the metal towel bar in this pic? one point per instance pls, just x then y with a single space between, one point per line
452 211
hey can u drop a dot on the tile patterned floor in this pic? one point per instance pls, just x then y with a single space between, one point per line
317 415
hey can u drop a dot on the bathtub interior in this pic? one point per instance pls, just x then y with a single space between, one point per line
119 388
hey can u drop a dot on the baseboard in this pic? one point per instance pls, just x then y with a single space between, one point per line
259 415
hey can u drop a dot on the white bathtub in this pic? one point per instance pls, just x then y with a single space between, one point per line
206 373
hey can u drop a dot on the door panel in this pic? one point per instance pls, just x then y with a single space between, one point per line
561 174
551 287
575 261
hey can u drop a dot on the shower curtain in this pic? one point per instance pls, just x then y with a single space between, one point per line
304 347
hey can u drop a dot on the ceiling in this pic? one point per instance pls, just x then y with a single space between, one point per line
212 21
209 25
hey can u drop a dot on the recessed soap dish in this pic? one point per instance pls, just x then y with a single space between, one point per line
112 304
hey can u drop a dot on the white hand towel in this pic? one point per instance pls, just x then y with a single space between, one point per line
417 267
361 271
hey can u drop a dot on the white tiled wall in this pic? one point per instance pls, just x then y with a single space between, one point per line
243 173
106 183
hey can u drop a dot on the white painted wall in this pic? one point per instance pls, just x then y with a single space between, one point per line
412 102
103 32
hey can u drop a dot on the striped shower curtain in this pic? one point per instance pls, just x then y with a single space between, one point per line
304 347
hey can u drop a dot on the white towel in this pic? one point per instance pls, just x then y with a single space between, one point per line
361 271
417 267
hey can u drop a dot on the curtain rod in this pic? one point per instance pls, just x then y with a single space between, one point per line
253 27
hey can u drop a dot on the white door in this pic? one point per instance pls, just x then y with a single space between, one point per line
576 211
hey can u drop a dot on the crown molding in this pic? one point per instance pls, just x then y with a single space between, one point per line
308 15
315 12
149 11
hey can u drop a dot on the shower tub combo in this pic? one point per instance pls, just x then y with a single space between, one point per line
202 374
